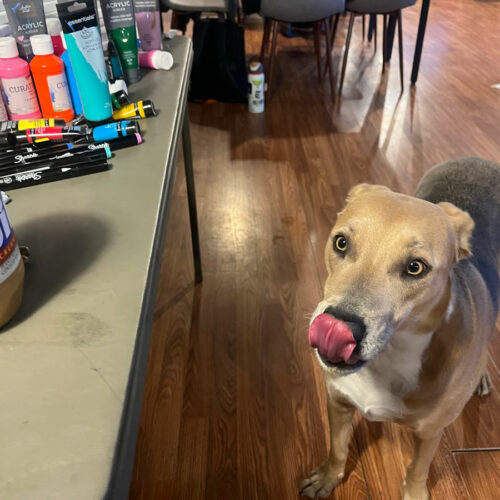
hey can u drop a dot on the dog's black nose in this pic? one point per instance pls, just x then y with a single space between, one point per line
353 321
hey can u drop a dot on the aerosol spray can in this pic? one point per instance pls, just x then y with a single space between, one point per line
256 88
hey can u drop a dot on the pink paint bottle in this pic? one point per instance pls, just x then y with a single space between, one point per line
17 85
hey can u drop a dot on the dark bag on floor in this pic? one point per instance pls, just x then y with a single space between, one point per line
219 68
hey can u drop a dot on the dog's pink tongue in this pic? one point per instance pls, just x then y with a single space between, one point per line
332 337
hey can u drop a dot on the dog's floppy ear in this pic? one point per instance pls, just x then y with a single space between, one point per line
364 188
463 225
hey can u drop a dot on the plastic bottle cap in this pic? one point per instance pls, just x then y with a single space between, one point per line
162 60
53 26
8 47
41 45
255 66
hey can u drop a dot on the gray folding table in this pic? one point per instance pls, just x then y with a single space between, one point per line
73 361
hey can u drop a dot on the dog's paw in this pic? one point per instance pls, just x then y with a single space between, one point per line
415 491
321 481
484 386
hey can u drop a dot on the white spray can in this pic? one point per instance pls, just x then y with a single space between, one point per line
256 88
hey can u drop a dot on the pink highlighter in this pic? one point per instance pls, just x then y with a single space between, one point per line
17 84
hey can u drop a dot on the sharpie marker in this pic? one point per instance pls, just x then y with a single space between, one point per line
48 146
120 143
95 156
43 175
43 156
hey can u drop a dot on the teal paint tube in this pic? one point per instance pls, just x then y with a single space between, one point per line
120 26
26 18
83 41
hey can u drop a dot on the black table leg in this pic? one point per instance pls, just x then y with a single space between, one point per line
420 40
193 217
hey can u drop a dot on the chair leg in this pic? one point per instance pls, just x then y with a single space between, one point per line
333 28
317 46
274 31
329 61
375 33
265 39
400 39
346 52
384 40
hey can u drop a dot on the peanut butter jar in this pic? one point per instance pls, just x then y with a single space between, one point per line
11 269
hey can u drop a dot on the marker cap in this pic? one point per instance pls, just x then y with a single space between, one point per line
8 47
42 45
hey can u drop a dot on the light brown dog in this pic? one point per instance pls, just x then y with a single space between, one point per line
409 306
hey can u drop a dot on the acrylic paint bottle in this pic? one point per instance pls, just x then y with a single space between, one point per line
147 18
50 80
3 111
26 18
83 40
54 30
120 26
11 269
17 85
70 75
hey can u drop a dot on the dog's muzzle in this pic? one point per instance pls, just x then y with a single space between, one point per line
336 336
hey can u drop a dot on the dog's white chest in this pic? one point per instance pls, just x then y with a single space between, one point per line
377 390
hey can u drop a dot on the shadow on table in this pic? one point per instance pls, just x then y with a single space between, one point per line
62 246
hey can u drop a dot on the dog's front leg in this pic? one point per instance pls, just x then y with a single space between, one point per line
415 484
324 478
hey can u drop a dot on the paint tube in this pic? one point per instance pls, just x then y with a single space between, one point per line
114 130
15 125
147 17
54 134
83 40
26 18
139 109
120 26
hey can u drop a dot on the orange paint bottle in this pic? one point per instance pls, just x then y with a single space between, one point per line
50 80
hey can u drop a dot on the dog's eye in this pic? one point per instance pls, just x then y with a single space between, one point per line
416 268
340 243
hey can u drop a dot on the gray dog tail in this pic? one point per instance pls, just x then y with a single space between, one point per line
473 185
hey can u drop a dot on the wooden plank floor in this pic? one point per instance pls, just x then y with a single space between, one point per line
234 406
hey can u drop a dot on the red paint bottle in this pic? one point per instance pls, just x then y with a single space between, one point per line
50 80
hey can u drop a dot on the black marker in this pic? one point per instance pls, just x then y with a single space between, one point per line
95 156
43 175
36 157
